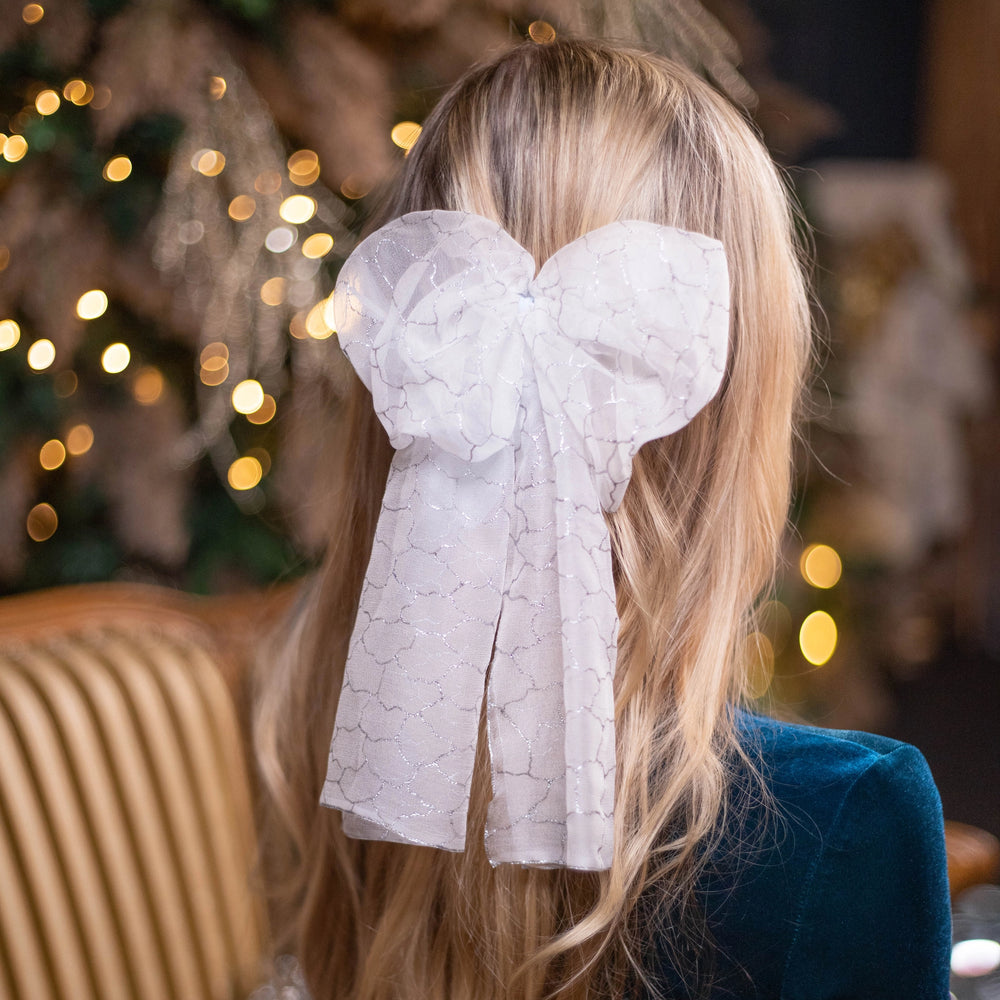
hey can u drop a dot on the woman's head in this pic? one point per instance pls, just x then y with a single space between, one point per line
551 142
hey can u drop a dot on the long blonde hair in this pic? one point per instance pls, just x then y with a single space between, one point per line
553 141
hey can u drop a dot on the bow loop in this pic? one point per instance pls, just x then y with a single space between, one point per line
427 316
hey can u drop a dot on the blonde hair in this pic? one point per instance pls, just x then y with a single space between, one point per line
553 141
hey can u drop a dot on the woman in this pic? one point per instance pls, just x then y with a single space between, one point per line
740 857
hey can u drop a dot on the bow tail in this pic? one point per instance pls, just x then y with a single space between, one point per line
404 741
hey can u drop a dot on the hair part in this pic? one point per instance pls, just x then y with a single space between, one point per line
551 142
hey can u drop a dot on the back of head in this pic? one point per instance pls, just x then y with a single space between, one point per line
553 141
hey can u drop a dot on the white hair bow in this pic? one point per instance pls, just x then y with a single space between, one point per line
516 403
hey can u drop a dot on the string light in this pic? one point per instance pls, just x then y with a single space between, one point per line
217 88
316 324
147 387
265 411
15 148
297 209
405 134
820 566
42 522
245 473
47 102
52 454
818 637
209 162
316 246
10 334
541 32
248 396
115 358
79 439
272 292
78 92
241 208
117 168
303 167
32 13
92 304
41 354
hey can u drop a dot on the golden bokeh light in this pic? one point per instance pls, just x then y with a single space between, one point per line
78 92
209 162
115 358
818 637
297 326
263 457
242 207
265 413
79 439
15 148
297 209
405 134
272 292
117 168
248 396
214 376
759 664
52 454
245 473
316 323
41 354
47 102
316 246
303 167
32 13
268 182
101 98
42 522
820 566
355 186
10 334
217 88
147 387
541 32
214 355
92 304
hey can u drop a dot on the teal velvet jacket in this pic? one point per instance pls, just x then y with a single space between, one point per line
837 890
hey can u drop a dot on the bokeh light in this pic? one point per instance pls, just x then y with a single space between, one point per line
297 209
52 454
79 439
78 92
41 354
316 246
272 292
268 182
303 167
280 239
217 88
115 358
759 664
209 162
32 13
818 637
242 207
15 148
317 325
265 412
47 102
248 396
101 98
405 134
10 334
820 566
42 522
214 364
355 186
117 168
147 387
541 32
92 304
245 473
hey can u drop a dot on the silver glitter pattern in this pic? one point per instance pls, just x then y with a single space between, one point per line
515 403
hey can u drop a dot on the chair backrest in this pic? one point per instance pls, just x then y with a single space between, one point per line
127 844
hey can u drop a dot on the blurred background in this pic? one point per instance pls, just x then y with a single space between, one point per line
180 181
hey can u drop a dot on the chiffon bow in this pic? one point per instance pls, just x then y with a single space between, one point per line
515 403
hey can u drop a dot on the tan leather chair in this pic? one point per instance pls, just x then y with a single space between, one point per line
127 845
